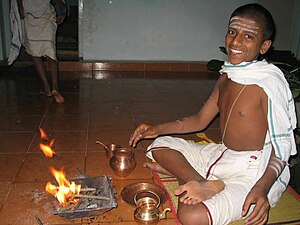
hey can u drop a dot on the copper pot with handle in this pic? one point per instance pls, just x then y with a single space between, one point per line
122 162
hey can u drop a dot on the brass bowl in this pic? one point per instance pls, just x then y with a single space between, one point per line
130 192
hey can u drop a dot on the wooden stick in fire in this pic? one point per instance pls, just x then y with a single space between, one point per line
92 197
84 189
87 189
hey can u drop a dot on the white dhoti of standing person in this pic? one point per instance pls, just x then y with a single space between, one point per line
39 20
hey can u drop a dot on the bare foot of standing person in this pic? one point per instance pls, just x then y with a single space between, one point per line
53 67
46 93
58 97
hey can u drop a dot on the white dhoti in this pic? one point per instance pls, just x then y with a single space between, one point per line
239 170
40 34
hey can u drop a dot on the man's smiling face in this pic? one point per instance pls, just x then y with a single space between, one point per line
244 40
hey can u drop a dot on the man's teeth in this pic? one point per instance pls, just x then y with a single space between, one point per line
236 51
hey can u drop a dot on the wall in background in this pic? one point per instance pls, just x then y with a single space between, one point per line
295 40
143 30
5 33
155 30
283 14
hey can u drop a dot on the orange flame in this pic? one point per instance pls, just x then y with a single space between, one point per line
46 148
65 190
43 134
48 152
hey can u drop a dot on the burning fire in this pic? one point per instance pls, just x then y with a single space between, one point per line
43 134
46 148
65 191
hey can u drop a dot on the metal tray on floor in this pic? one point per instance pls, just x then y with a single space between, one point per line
90 207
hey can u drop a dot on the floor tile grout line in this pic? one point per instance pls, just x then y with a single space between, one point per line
6 197
84 133
88 125
44 116
23 160
129 102
31 143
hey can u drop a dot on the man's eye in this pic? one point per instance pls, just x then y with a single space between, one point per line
248 36
231 32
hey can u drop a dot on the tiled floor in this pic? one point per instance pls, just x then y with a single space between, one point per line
103 106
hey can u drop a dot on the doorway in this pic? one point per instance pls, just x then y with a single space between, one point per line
67 34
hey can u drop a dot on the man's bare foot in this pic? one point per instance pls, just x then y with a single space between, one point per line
194 192
57 96
43 92
157 168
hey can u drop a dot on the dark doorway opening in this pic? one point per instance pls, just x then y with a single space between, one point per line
67 34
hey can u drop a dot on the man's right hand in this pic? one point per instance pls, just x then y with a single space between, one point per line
143 131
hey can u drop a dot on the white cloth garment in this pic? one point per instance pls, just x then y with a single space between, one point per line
40 28
37 32
238 170
282 116
36 8
40 34
17 33
281 112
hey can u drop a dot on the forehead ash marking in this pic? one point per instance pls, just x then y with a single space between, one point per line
237 23
241 18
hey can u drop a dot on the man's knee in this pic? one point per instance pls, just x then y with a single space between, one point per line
193 215
164 152
158 153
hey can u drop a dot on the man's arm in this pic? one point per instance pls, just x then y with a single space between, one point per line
60 9
198 121
188 124
192 123
259 192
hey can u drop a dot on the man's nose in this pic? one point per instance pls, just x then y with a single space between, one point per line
238 39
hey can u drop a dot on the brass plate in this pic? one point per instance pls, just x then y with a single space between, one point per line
130 191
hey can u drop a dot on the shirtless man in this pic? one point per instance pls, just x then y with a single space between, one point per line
220 183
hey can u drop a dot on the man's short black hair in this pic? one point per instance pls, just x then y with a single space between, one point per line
261 13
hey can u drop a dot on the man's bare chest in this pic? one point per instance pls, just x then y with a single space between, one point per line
239 98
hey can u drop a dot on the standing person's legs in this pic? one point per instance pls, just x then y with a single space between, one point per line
40 67
53 67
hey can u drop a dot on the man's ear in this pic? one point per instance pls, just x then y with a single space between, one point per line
265 46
